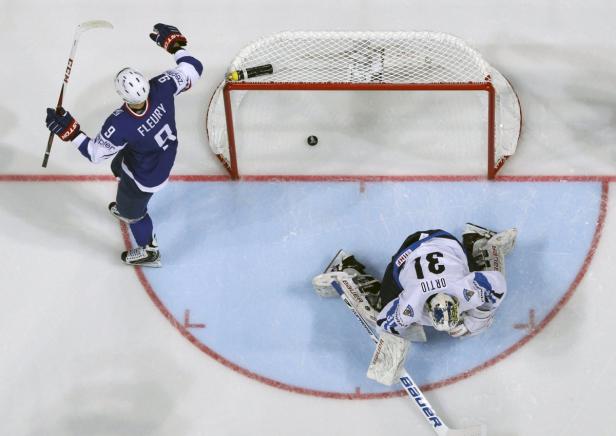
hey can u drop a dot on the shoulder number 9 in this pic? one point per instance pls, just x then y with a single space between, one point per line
109 132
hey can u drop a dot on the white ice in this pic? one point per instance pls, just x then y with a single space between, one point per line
84 350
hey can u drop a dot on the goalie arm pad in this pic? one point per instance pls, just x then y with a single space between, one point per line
477 320
491 286
388 360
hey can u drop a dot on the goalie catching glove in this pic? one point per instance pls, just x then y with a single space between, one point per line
168 37
62 123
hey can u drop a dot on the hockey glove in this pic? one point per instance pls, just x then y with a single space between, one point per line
168 37
458 331
62 124
475 321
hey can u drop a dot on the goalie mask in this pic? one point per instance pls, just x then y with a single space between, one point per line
132 86
443 311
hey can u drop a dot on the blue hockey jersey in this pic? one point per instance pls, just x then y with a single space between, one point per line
149 139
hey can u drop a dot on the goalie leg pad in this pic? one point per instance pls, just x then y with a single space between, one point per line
474 238
496 248
488 248
347 263
357 298
371 288
504 241
323 287
388 360
322 283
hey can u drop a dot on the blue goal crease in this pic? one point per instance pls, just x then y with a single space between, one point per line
241 256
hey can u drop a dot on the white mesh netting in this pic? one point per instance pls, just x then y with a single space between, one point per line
366 57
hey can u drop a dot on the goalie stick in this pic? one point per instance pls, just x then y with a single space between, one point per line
83 27
412 390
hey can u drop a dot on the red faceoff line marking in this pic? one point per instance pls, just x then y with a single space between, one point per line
307 178
531 325
188 324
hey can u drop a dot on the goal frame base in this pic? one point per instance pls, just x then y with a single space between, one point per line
232 167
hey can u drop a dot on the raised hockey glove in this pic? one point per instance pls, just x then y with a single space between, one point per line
168 37
62 123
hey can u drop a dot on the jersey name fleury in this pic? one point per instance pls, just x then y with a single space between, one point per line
148 140
152 120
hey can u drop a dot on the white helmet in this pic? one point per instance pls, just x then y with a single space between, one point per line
132 86
443 310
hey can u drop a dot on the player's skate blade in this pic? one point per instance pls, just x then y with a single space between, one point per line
142 256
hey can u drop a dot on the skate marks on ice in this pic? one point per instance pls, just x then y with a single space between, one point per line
239 258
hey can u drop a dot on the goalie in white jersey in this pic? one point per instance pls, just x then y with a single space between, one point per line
432 280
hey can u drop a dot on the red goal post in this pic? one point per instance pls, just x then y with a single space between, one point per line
364 61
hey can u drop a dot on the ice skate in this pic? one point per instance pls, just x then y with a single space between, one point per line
143 256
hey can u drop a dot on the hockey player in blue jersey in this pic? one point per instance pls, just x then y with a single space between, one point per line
432 280
141 137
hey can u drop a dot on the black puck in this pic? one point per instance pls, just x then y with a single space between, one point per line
312 140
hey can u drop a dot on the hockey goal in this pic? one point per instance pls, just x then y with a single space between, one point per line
397 62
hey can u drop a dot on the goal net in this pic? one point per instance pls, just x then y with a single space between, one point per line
388 103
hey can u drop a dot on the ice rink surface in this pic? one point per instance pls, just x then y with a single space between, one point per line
227 339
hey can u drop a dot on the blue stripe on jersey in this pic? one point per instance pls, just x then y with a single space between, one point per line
192 61
413 247
83 149
391 324
484 283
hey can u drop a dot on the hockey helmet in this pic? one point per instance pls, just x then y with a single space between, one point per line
132 86
443 311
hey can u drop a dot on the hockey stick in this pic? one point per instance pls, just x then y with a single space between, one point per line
83 27
412 390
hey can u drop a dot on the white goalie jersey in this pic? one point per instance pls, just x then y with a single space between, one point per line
437 264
